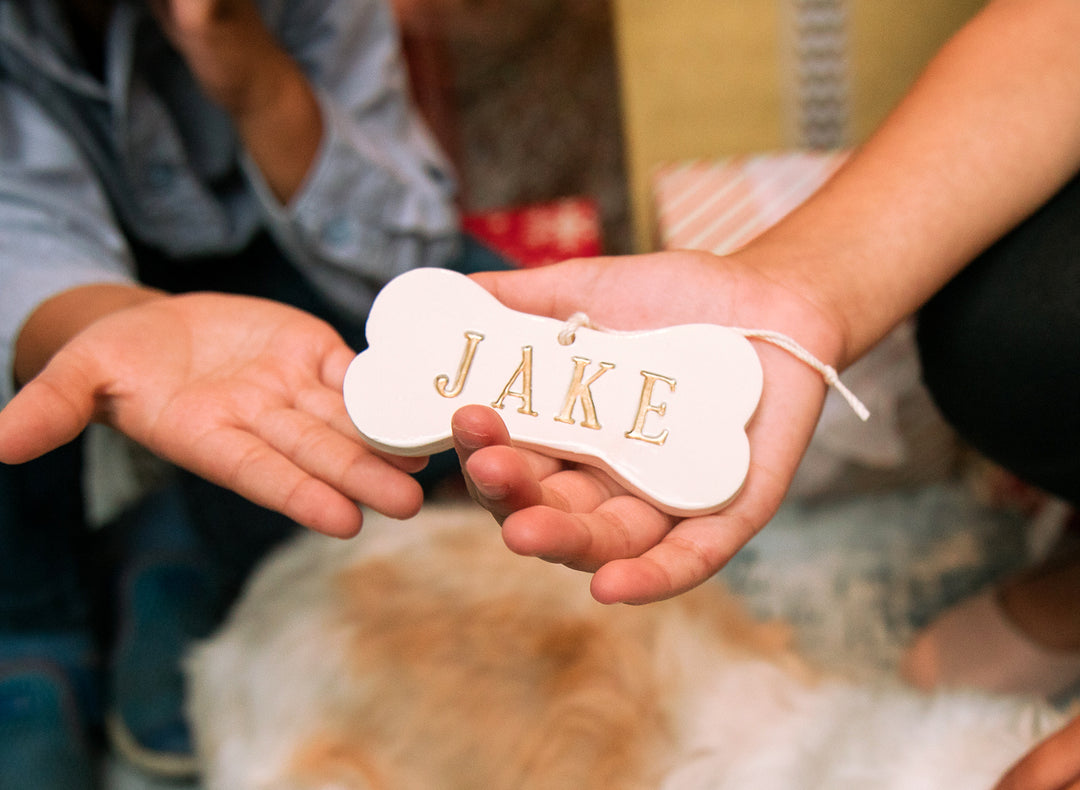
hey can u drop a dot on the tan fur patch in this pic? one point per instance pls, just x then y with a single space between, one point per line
569 699
328 761
438 660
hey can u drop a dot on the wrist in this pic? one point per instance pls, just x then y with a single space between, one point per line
62 316
804 306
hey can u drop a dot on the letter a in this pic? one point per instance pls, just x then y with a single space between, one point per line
524 372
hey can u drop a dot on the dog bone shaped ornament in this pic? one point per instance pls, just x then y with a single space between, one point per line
663 411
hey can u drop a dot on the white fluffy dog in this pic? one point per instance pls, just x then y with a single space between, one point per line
424 655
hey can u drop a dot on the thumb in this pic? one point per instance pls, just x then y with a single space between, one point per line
51 410
556 290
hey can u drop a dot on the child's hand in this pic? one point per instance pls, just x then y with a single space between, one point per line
579 516
243 391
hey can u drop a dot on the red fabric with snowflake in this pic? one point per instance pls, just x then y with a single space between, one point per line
542 233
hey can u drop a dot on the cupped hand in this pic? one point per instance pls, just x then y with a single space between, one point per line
579 516
242 391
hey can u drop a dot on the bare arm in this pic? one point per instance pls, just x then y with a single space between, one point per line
989 132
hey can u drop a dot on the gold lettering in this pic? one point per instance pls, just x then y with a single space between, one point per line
524 372
645 405
579 390
472 340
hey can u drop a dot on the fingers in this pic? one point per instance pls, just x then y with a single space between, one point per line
638 554
320 492
500 478
51 410
341 461
543 290
583 519
300 456
612 528
694 549
326 404
242 462
504 479
1053 765
478 427
692 552
408 464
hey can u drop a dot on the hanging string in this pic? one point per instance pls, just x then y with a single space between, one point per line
828 372
573 324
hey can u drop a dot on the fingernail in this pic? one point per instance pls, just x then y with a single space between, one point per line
490 490
468 439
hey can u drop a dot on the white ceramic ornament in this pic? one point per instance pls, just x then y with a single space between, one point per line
663 411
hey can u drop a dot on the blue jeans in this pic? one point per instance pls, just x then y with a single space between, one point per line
45 548
43 578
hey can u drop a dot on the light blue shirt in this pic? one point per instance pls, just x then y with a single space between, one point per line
143 152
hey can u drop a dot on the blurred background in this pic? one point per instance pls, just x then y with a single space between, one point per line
582 127
541 100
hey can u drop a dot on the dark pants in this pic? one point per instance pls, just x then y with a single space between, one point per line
43 535
1000 348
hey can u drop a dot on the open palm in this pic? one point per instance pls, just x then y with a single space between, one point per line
242 391
578 515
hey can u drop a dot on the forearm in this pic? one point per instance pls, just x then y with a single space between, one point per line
61 317
988 133
242 67
282 130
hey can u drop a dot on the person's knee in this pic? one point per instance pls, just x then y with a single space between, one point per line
1000 370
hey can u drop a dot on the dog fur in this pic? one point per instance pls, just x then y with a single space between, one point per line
423 655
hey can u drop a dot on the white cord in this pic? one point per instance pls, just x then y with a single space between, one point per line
828 372
573 324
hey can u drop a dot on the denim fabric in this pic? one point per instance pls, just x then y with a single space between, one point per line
43 582
43 745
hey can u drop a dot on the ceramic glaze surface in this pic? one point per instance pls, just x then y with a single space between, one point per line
664 411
